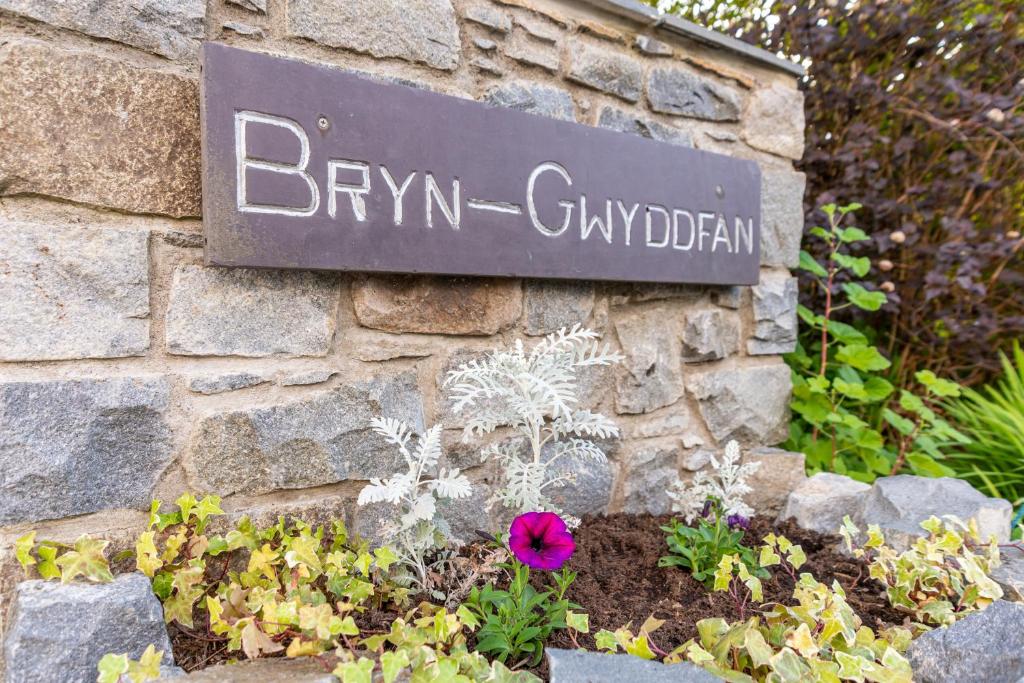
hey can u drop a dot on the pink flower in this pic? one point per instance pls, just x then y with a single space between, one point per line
540 540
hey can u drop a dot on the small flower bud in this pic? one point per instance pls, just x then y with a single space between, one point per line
887 286
899 237
995 115
885 265
1013 234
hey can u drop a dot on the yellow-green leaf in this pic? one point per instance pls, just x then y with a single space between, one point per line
87 559
578 621
147 559
111 667
392 663
23 550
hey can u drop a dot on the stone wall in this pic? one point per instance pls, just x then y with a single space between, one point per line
128 370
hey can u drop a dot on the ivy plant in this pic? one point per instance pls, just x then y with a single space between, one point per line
115 668
699 549
848 417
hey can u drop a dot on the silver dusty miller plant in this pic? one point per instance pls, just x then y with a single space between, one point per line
727 484
535 394
419 530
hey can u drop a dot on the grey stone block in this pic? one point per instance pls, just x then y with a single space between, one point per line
775 318
533 98
68 447
531 52
307 377
590 488
274 670
899 504
782 216
626 122
651 377
415 30
246 312
745 403
602 69
775 121
1010 573
59 632
551 305
217 384
170 28
781 472
985 647
652 46
573 666
649 474
710 334
259 6
322 439
821 502
682 92
73 292
488 16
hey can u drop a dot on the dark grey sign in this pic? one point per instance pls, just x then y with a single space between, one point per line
312 167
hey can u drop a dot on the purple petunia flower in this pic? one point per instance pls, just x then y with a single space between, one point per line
737 521
540 540
706 510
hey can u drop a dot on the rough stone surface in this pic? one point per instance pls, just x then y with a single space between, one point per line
781 472
775 320
68 447
745 403
899 504
73 292
651 376
246 312
416 30
59 632
727 297
626 122
674 420
540 29
821 502
775 121
782 216
710 334
488 16
590 489
573 666
243 29
1010 574
321 439
650 472
682 92
984 647
170 28
217 384
275 670
435 305
533 98
485 44
251 5
307 377
549 305
652 46
97 131
531 52
695 460
605 70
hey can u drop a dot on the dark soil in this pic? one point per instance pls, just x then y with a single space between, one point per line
619 582
618 579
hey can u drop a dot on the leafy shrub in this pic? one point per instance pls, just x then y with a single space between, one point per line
700 549
992 418
515 623
941 578
535 394
725 485
846 418
420 530
912 108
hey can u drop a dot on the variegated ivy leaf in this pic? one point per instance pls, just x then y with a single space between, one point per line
255 642
111 667
578 621
393 663
606 640
23 550
359 671
87 559
147 559
303 549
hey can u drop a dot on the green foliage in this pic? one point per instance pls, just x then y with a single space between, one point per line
820 638
700 549
427 644
940 578
993 420
848 417
118 668
52 560
638 645
515 623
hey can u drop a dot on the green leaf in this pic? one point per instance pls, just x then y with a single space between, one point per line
360 671
87 559
862 298
605 640
48 568
849 389
859 265
384 557
851 235
902 424
808 263
111 667
863 357
163 585
578 621
809 316
878 389
23 550
936 385
392 663
845 334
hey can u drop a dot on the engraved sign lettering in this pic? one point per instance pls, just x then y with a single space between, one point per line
311 167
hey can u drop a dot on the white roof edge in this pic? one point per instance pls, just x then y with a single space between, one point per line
646 14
